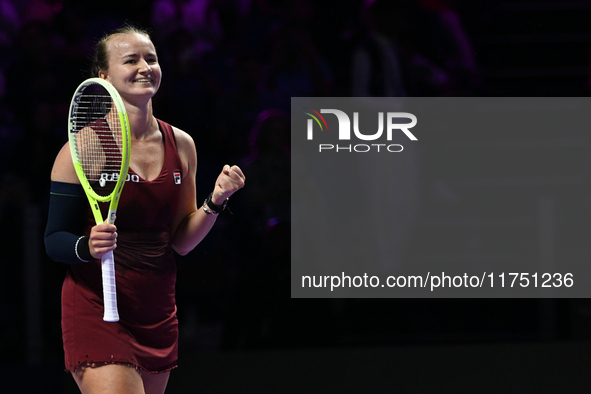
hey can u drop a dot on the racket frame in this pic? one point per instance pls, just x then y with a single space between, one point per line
93 197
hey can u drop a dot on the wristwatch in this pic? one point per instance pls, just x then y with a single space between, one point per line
212 209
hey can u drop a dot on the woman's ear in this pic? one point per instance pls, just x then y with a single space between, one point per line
102 75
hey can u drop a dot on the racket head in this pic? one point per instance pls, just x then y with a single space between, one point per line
98 134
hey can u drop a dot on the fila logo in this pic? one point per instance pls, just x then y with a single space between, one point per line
177 177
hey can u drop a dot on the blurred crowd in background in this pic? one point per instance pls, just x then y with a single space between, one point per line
225 62
230 68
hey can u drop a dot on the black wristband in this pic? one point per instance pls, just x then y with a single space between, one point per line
82 249
213 207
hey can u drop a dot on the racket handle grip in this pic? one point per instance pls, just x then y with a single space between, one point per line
109 288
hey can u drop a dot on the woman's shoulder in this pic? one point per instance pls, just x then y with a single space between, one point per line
63 168
185 147
183 139
180 136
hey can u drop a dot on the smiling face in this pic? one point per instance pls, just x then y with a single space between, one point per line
133 67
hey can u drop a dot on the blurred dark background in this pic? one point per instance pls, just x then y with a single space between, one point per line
229 70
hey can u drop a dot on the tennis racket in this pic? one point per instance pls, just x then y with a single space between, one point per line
98 132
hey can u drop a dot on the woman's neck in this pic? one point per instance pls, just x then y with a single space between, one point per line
141 120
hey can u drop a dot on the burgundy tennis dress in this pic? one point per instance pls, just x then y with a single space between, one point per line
147 332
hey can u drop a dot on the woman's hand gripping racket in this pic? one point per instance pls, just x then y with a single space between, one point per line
98 131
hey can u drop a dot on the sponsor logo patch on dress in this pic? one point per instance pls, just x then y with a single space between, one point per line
177 177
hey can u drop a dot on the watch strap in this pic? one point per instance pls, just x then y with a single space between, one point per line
213 208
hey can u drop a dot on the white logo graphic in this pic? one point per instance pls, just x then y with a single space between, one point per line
114 177
344 133
177 177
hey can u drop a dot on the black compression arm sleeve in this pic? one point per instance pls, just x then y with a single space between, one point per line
67 209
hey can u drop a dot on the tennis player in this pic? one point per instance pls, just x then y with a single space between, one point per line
157 216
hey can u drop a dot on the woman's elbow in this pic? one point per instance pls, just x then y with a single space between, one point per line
183 251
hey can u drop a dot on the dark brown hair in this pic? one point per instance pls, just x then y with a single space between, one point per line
100 61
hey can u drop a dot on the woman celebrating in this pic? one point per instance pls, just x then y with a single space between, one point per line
157 216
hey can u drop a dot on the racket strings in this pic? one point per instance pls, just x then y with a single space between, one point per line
99 141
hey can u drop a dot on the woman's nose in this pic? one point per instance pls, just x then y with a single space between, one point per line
145 67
